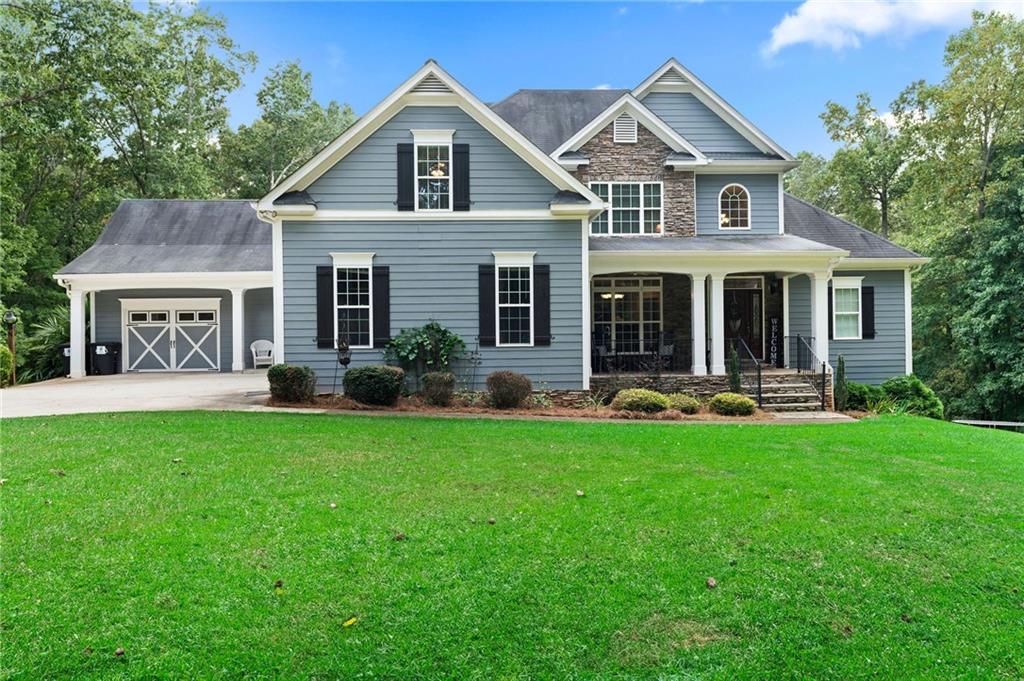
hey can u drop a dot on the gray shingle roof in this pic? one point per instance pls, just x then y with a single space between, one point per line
810 222
773 243
549 117
148 235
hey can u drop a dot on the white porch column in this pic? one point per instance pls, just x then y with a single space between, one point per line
819 313
718 324
785 320
698 303
77 333
237 329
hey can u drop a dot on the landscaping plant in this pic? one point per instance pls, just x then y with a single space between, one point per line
839 390
732 404
860 395
6 365
429 348
438 388
375 384
684 403
508 389
290 383
735 384
640 399
918 398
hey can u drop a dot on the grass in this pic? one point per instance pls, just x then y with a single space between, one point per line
888 548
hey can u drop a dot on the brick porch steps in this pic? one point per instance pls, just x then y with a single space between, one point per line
786 392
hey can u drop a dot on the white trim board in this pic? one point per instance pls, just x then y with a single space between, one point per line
179 280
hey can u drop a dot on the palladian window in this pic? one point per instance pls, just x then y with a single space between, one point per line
734 207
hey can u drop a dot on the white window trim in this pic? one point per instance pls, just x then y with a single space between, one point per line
718 213
848 283
512 259
643 221
432 138
349 261
640 288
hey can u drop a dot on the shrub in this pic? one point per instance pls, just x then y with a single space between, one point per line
508 389
439 388
640 399
732 404
430 348
290 383
860 395
6 366
840 391
684 403
375 384
735 380
915 395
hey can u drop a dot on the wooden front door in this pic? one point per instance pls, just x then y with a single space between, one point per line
744 319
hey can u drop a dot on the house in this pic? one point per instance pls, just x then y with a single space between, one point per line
565 234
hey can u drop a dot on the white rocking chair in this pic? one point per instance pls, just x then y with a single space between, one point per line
262 353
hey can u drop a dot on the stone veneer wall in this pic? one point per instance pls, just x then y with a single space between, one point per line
643 161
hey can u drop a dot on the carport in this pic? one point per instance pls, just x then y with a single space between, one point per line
182 286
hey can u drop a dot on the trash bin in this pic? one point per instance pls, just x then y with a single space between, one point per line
105 358
65 355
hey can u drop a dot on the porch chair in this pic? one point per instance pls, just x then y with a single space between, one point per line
262 353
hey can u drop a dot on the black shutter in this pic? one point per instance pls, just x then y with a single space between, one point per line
381 306
829 312
460 176
406 177
487 305
325 306
542 304
867 311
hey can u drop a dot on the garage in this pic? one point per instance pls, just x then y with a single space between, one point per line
171 334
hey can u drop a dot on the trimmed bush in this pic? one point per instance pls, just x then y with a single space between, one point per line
914 395
732 404
374 384
508 389
6 366
859 395
290 383
683 402
438 388
640 399
840 390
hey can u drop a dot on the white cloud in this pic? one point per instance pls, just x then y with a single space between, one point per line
622 11
840 25
602 86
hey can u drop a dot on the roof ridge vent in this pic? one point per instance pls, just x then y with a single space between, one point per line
431 84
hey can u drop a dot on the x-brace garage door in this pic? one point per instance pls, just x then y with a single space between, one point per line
162 334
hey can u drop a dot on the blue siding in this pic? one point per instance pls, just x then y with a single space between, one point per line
701 126
869 360
259 316
764 203
434 275
365 179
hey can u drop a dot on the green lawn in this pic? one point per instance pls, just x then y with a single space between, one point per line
887 548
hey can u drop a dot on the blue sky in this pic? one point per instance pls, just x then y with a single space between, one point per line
360 52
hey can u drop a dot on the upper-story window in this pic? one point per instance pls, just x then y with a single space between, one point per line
734 207
433 169
636 208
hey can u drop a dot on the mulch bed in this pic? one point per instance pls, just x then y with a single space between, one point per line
414 404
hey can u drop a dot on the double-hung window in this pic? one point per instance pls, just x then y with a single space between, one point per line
846 308
514 292
353 296
433 169
636 208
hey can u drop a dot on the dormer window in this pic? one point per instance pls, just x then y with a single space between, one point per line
433 169
734 207
624 130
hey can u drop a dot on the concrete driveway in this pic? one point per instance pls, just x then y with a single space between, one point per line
136 392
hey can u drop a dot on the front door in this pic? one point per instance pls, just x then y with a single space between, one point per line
743 319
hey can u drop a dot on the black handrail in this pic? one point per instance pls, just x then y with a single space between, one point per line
745 354
804 350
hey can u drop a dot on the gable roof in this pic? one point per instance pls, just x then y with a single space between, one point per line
430 85
549 117
673 76
629 104
151 235
810 222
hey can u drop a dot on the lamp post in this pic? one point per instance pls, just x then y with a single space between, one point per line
11 319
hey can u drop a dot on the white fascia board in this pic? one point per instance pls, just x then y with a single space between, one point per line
719 166
454 216
713 262
881 263
402 97
573 164
217 280
293 210
627 103
713 101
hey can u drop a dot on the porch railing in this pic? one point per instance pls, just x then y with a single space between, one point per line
805 361
656 354
750 367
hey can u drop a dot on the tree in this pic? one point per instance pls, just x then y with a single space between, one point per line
814 182
869 168
291 128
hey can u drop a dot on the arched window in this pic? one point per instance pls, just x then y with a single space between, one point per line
734 207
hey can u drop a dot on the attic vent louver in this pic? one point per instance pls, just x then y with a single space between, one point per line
671 77
431 84
624 131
